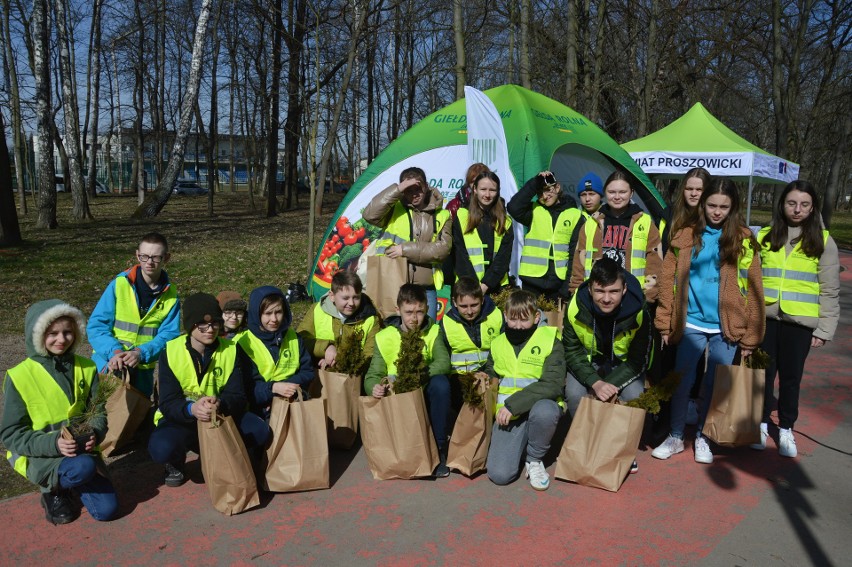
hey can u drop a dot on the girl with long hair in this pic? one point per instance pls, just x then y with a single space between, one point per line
687 195
483 236
801 281
711 297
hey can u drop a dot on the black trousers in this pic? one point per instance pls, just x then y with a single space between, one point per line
788 345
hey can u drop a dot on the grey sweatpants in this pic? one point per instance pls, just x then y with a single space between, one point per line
530 434
574 390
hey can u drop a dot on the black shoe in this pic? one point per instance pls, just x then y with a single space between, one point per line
634 468
174 476
442 470
58 508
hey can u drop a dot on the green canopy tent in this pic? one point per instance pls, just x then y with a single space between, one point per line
699 139
541 133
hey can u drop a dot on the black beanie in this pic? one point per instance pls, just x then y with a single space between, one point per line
200 308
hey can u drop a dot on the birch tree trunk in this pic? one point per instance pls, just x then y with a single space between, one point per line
526 8
458 36
18 140
94 99
10 230
46 171
271 165
155 202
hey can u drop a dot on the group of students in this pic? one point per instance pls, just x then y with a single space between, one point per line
700 285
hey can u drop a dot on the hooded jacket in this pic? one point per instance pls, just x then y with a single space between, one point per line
653 251
422 252
341 325
521 208
16 429
742 319
262 390
379 369
625 319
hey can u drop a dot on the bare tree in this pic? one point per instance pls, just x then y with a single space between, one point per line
93 92
10 231
155 202
458 38
46 171
18 141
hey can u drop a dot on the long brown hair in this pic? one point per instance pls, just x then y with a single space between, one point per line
682 215
497 208
812 241
731 241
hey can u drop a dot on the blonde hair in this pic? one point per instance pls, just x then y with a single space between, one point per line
520 305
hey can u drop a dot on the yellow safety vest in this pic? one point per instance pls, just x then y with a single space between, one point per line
518 372
132 330
324 326
544 243
475 247
793 280
47 405
399 231
465 356
288 356
388 342
621 343
638 246
215 377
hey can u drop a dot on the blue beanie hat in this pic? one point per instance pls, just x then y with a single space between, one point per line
590 182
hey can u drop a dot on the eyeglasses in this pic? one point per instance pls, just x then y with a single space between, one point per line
144 258
232 314
204 327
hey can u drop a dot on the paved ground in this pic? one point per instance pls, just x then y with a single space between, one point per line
747 508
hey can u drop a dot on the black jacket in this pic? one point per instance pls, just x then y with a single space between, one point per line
498 261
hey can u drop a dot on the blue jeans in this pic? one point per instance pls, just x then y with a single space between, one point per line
689 351
170 441
95 490
438 403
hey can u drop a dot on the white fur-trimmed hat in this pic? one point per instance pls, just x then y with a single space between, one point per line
42 314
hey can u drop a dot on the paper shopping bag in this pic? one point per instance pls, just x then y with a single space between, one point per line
385 277
556 317
736 408
397 436
226 467
126 409
340 392
471 437
601 444
297 458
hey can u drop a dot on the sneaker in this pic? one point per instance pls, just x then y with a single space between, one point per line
174 476
692 412
786 443
703 454
671 446
634 468
442 470
764 433
58 508
538 476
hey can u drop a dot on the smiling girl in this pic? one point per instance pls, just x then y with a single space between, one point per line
711 297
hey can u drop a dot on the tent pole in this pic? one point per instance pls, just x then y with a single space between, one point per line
748 205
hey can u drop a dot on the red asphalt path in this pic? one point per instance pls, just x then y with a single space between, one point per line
671 512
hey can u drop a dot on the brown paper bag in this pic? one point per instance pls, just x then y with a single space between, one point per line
736 408
556 318
126 409
385 277
471 437
297 458
601 444
397 436
340 392
226 467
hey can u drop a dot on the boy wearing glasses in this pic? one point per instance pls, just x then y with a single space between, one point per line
136 316
199 372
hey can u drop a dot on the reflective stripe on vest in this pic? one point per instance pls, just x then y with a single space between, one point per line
389 340
545 242
621 342
518 372
47 405
398 231
288 356
218 371
324 326
131 330
793 280
475 247
637 247
465 356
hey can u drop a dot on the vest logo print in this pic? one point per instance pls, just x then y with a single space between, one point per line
490 331
285 354
566 223
217 372
536 350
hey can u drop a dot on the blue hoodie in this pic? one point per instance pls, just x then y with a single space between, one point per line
272 340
